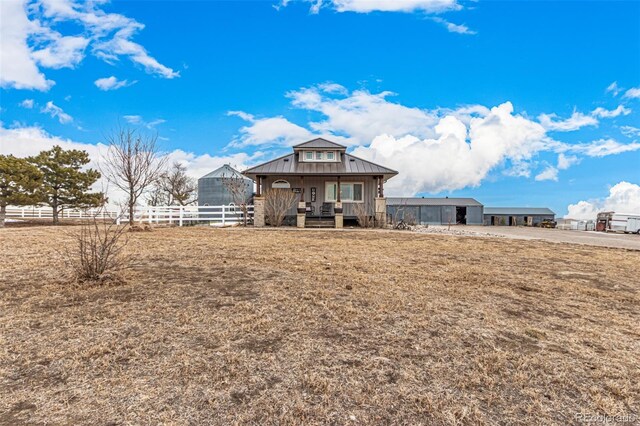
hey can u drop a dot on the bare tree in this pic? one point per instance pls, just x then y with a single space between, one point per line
236 185
276 204
364 215
133 164
180 189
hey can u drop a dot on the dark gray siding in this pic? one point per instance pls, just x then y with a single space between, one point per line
474 215
520 220
212 192
434 214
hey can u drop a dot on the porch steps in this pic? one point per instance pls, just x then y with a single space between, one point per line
320 223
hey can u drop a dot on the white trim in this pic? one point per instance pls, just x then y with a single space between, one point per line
343 200
323 156
281 183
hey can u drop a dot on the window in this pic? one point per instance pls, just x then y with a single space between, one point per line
318 155
308 155
330 155
281 184
350 192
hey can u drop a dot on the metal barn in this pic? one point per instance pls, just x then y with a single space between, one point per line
436 211
517 216
213 192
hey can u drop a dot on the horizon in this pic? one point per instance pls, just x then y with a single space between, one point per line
513 104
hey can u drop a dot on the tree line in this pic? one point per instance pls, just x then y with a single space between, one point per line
58 178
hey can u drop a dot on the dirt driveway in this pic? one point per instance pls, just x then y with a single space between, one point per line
601 239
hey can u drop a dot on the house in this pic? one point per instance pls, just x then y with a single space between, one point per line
435 211
514 216
212 190
332 186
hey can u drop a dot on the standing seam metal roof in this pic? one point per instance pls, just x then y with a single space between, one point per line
421 201
518 211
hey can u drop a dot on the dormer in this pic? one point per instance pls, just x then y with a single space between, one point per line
319 151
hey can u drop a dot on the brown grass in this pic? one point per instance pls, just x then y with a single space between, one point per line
245 326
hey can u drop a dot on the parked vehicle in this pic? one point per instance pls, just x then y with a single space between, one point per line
547 223
633 225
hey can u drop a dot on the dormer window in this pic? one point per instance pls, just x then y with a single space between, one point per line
317 156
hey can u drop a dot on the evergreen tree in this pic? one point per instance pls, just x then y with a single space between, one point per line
19 184
65 184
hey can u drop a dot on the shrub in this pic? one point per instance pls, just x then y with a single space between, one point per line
276 204
97 254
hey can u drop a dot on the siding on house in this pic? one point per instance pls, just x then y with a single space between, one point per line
318 182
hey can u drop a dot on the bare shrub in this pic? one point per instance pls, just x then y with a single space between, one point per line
97 253
364 215
277 202
236 185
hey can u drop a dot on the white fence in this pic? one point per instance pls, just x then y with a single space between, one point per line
47 213
187 215
166 215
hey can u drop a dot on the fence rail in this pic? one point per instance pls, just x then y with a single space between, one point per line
167 215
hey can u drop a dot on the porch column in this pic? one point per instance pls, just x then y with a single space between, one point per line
258 204
381 204
339 218
302 208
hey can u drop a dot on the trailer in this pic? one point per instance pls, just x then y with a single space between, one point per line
633 225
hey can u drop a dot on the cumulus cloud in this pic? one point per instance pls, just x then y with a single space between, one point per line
30 140
30 40
624 197
633 93
112 83
56 112
436 150
575 122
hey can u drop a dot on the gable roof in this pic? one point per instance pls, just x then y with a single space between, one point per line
518 211
432 201
319 143
224 171
349 165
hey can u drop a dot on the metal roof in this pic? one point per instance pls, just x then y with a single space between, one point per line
422 201
518 211
224 171
319 143
348 165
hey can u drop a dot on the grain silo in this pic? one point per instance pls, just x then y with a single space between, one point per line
212 190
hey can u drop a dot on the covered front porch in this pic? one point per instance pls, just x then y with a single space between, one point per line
328 201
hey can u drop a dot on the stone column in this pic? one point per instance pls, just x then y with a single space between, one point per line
302 212
339 218
381 210
258 212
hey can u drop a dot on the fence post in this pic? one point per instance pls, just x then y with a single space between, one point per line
181 214
223 208
149 213
22 212
40 212
170 216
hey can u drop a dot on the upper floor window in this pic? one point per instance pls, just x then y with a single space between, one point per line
319 156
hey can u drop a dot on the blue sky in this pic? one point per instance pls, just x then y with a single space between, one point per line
506 102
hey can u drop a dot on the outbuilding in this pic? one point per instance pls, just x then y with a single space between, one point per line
517 216
212 190
435 211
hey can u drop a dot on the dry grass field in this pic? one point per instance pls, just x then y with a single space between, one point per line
232 326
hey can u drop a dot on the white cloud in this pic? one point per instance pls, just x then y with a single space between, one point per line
57 112
604 113
630 131
29 40
112 83
575 122
632 93
138 120
269 131
564 161
624 197
27 103
366 6
550 173
459 155
454 28
613 88
603 147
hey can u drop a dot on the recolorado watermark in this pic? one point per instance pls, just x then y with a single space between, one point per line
607 419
